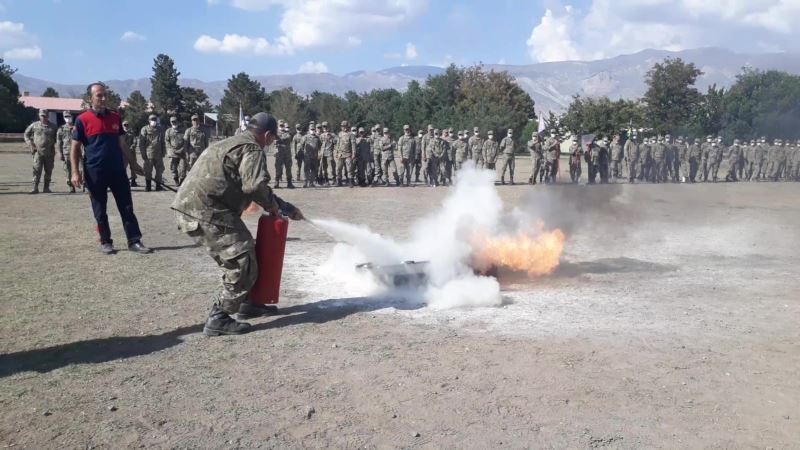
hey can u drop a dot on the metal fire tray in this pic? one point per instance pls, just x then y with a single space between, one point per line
409 274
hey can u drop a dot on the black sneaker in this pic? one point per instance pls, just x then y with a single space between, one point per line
220 323
251 311
137 247
107 248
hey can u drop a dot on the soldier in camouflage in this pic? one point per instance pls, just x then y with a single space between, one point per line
490 149
734 156
552 152
196 140
418 155
632 155
617 157
476 147
297 150
283 155
461 151
41 139
427 142
327 161
311 146
715 157
132 141
344 151
151 147
506 157
388 149
575 156
761 159
176 151
63 144
226 179
363 156
407 146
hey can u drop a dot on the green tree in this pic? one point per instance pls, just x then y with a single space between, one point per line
113 100
442 93
14 117
245 92
50 92
381 106
136 111
601 116
325 107
671 96
193 101
165 94
412 109
707 118
287 105
762 104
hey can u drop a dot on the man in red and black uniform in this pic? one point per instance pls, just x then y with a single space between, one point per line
99 131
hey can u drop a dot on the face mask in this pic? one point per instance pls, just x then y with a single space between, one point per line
175 126
152 123
510 135
69 121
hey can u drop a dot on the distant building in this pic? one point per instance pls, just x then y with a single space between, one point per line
55 105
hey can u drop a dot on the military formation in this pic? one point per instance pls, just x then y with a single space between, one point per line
661 159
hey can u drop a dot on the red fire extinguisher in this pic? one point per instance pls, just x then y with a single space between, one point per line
270 248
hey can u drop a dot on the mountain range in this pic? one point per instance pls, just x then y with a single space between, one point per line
551 85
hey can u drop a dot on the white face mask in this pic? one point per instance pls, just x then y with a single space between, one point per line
175 126
152 123
510 135
69 121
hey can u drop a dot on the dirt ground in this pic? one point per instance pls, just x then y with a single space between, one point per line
672 322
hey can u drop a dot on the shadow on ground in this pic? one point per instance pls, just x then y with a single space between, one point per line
95 351
598 266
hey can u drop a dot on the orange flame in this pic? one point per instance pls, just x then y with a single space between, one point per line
537 253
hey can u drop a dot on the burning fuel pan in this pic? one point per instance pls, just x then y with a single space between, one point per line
409 274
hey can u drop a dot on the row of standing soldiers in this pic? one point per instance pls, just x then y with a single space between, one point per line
659 160
352 157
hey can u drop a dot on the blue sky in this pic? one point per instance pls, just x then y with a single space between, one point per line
74 41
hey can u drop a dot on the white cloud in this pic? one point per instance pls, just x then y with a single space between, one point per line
565 33
16 43
411 51
236 44
312 67
23 53
131 36
308 24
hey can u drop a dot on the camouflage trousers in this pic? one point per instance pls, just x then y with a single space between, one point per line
506 163
660 171
345 170
68 170
131 158
633 169
406 167
432 169
704 167
177 166
445 170
575 171
714 169
153 164
43 163
192 159
389 166
325 163
417 167
233 249
733 169
477 158
311 168
283 162
299 159
616 168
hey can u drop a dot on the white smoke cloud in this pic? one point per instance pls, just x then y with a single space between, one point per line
312 67
612 27
442 238
319 23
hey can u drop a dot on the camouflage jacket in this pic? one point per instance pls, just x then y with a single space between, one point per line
310 146
131 140
552 149
282 142
64 140
173 140
42 137
715 154
196 140
388 147
476 147
345 145
151 142
407 145
460 149
507 146
631 150
490 149
694 152
226 178
427 141
734 153
535 149
659 151
617 153
296 148
328 141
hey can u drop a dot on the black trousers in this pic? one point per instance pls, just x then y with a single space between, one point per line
98 182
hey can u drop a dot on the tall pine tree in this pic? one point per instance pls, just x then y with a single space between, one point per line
165 94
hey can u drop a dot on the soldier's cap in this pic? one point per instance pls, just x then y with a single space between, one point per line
280 121
510 130
420 133
475 130
152 117
125 122
263 122
325 124
385 130
319 127
709 137
67 114
490 133
361 130
406 127
195 117
353 128
344 123
460 134
435 131
173 119
735 141
42 112
298 126
430 127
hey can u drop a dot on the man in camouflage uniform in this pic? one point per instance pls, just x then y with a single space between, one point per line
796 161
761 159
461 151
680 149
327 161
407 146
552 154
226 179
600 158
705 152
41 139
388 147
132 141
196 140
311 146
749 160
418 155
669 159
376 167
283 155
363 156
63 144
343 153
632 155
151 147
433 149
617 155
660 161
645 160
176 151
297 150
715 157
506 156
490 150
734 155
575 155
444 159
427 142
476 146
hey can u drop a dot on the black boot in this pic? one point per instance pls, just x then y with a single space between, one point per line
35 189
277 185
46 189
177 181
289 185
220 323
134 183
159 187
148 186
249 310
71 189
